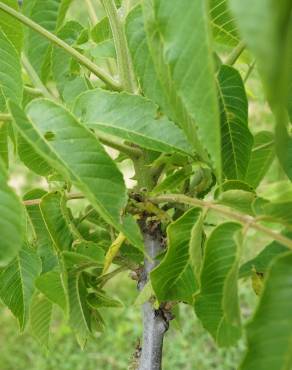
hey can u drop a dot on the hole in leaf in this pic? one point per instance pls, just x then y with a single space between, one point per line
49 136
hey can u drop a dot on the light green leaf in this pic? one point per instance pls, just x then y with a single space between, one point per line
183 60
40 232
236 138
269 332
266 27
223 25
277 192
74 151
10 70
31 159
217 305
11 221
130 117
261 262
4 143
40 319
172 181
279 212
101 31
78 310
62 62
11 27
50 15
51 286
240 200
262 155
17 284
53 210
99 299
173 279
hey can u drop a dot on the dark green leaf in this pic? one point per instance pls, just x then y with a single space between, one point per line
269 332
217 305
236 138
173 279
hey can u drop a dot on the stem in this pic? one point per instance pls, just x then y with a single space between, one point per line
4 117
130 151
60 43
123 57
235 54
36 81
244 219
32 91
34 202
91 12
249 71
155 324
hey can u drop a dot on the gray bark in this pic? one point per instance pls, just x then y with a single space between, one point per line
155 324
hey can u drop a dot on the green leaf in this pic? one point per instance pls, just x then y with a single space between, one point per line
133 118
269 332
217 305
40 232
62 62
101 31
172 181
277 192
50 15
17 284
79 313
11 27
223 25
266 27
261 262
11 221
40 319
74 151
262 155
173 279
4 143
183 60
240 200
51 286
279 212
236 138
53 210
283 141
31 159
10 70
99 299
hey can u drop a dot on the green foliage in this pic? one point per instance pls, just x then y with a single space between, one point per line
217 303
146 116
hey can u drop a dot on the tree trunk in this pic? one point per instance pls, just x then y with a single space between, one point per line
155 323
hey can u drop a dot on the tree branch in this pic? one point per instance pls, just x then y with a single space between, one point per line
244 219
155 324
34 202
123 56
235 54
60 43
36 81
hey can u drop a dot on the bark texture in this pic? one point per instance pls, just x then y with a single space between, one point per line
155 323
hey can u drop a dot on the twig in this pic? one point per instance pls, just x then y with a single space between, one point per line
124 61
235 54
36 81
244 219
92 67
34 202
91 12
